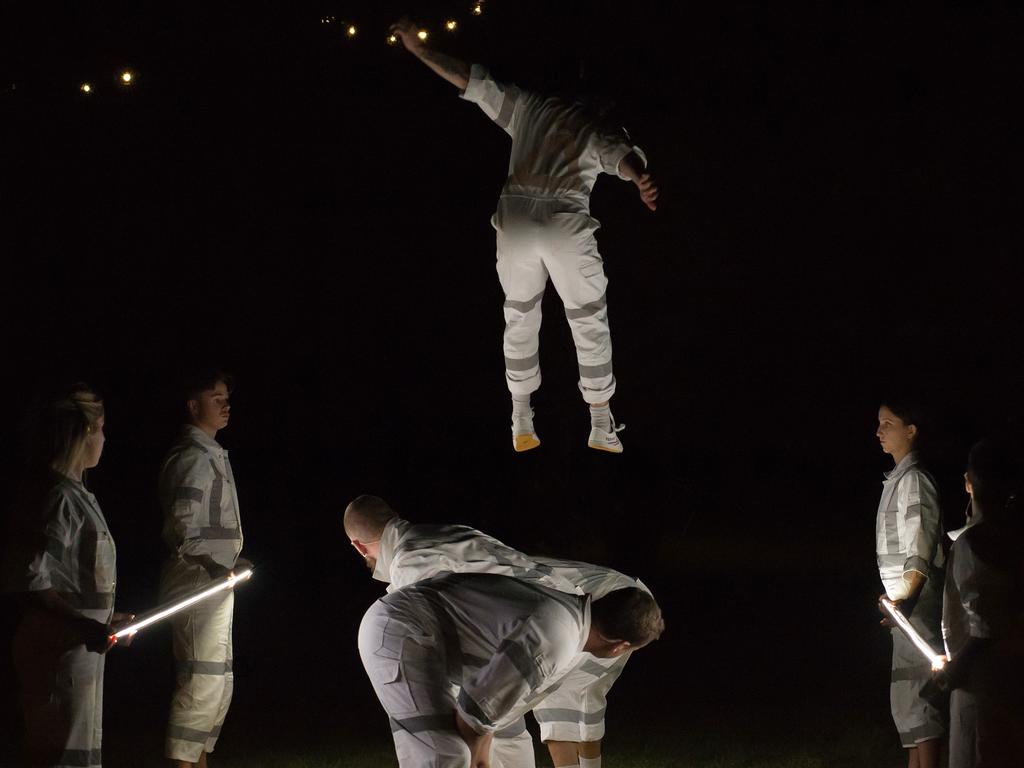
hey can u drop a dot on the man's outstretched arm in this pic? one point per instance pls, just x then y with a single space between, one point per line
454 70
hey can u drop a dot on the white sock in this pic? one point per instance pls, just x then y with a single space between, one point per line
590 762
520 404
600 418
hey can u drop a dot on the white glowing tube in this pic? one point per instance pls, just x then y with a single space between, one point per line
228 582
937 661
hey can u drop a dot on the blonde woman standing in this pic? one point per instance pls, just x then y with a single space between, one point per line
67 590
908 529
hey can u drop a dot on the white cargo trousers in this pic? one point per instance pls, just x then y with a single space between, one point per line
406 662
201 638
539 238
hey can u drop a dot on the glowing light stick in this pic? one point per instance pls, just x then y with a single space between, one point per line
937 661
158 614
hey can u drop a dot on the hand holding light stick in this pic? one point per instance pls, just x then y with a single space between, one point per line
164 611
937 661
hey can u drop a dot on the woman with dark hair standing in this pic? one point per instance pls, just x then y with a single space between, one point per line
66 583
983 614
908 529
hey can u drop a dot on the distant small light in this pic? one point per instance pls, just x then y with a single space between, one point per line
327 20
422 34
351 31
478 8
392 39
127 77
85 88
451 25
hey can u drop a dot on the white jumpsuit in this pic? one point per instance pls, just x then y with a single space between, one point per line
62 683
483 645
544 228
908 527
572 711
201 519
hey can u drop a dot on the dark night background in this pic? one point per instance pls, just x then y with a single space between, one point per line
839 221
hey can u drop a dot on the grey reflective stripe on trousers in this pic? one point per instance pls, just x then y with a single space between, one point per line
204 667
524 306
568 716
182 733
522 363
80 758
595 371
420 723
587 310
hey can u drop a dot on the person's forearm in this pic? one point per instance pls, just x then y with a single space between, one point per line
914 580
454 70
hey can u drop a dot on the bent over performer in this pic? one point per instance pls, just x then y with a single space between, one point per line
544 229
457 658
572 714
204 531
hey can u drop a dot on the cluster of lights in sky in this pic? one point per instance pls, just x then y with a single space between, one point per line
126 77
450 25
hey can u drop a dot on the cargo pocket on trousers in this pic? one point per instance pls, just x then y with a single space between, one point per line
393 687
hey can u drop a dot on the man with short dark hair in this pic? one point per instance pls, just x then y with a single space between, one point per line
203 529
571 715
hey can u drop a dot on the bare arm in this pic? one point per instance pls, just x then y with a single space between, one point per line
632 167
454 70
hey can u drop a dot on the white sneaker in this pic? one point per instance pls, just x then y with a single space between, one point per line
604 439
523 436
